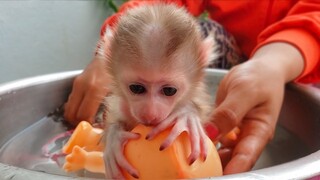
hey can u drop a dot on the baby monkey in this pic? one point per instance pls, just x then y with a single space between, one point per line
156 58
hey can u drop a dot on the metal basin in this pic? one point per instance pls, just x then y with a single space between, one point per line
27 126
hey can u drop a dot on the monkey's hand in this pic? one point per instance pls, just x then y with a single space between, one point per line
114 153
184 119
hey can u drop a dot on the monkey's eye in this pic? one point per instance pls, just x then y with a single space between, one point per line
137 88
169 91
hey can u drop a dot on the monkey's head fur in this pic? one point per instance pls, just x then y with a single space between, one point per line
156 58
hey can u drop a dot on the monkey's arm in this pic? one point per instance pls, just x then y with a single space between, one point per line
114 158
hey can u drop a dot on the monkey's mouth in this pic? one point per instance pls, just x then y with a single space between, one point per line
141 118
149 122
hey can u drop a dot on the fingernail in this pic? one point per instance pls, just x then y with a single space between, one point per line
212 131
205 157
192 161
161 148
135 176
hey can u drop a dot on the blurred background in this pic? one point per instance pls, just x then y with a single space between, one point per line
40 37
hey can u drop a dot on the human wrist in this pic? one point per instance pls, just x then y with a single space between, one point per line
301 38
282 58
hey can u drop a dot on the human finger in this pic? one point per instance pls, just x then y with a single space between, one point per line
255 136
90 104
73 103
232 110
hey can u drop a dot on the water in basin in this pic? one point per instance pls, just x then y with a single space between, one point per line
38 148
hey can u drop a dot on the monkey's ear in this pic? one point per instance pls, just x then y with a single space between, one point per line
208 51
108 33
103 47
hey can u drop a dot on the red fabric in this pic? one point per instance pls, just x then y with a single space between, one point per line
254 23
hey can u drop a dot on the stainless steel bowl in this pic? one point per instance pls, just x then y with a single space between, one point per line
26 127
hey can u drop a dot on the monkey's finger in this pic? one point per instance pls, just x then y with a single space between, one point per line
112 169
125 165
129 135
177 129
203 143
160 127
194 141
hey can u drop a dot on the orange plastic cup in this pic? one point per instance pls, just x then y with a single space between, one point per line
170 163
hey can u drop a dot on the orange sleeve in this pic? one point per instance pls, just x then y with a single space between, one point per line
301 28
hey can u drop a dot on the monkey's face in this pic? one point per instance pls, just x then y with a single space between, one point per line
150 95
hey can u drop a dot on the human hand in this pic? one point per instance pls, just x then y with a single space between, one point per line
88 91
250 97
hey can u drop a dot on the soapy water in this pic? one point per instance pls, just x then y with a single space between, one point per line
52 149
